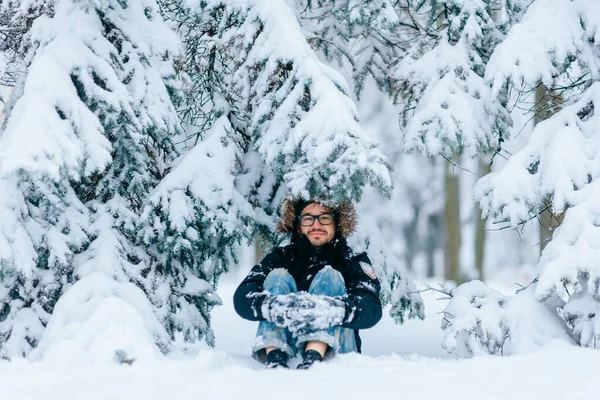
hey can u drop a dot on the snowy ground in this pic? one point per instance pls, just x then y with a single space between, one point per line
404 362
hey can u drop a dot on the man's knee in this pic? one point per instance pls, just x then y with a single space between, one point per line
279 281
330 275
278 274
328 282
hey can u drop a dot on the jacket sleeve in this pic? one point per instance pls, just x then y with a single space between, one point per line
363 306
249 296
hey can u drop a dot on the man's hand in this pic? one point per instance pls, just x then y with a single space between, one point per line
303 313
315 312
278 309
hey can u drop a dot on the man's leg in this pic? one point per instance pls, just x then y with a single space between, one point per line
269 336
329 282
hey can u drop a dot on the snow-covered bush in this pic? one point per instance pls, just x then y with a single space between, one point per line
98 319
479 320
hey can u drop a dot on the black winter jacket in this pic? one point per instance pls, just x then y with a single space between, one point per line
303 261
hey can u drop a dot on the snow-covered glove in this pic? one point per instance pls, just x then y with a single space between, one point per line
278 309
315 312
303 313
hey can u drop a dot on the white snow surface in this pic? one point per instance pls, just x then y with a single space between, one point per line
398 360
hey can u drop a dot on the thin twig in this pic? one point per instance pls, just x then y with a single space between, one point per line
457 166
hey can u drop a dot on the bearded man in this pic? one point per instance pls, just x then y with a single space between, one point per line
313 295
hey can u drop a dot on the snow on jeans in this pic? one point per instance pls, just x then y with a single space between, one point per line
327 282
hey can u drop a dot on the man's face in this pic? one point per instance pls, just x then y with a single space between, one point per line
317 234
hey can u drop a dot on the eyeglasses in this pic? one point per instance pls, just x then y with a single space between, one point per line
309 219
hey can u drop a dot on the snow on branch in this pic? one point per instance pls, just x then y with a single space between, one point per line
198 208
557 164
305 125
366 36
551 37
447 106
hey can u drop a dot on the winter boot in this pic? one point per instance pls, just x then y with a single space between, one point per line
309 358
277 359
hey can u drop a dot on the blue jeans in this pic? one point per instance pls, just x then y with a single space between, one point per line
327 282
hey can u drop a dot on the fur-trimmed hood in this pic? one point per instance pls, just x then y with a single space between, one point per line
345 215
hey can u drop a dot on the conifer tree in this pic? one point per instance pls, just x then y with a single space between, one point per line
95 109
558 168
195 217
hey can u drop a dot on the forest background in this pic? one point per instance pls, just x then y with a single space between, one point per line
145 141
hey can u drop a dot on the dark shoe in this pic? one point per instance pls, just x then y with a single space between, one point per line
309 358
277 359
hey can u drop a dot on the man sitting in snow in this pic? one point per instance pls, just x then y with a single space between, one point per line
314 294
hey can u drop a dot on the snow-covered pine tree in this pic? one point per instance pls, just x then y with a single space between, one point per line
447 107
44 223
88 137
196 216
556 42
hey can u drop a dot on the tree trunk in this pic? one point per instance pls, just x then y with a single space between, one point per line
452 222
432 242
480 233
546 105
411 237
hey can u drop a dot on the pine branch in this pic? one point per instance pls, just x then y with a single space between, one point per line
522 223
